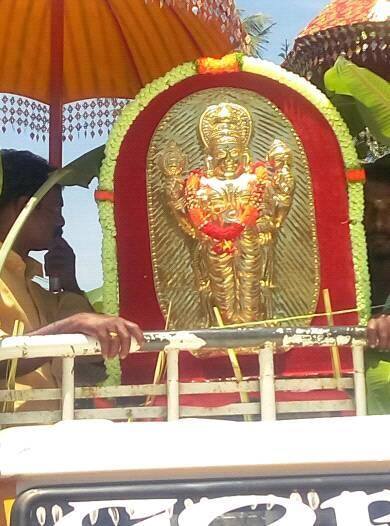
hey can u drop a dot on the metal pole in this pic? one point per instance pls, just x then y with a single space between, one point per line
194 340
56 82
173 401
359 380
68 389
282 337
267 382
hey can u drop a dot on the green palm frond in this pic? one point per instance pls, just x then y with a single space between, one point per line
257 28
284 49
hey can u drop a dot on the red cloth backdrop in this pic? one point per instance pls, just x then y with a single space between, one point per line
137 295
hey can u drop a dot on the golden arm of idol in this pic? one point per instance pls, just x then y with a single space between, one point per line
277 202
282 181
173 162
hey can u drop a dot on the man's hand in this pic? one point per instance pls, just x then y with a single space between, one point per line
378 332
60 262
113 333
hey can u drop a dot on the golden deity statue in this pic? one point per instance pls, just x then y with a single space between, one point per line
233 208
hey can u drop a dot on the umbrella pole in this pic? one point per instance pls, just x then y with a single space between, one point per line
56 82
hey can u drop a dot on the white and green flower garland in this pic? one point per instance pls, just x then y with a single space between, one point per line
250 65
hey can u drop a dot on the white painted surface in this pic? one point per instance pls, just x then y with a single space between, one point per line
105 451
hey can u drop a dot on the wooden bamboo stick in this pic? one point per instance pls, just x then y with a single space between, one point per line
161 363
25 213
244 397
12 366
334 350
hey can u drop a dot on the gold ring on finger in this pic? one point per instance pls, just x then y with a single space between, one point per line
113 334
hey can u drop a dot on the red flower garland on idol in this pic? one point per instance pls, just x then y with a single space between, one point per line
225 233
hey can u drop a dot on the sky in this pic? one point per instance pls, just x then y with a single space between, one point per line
82 229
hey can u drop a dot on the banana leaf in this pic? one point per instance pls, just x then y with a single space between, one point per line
95 298
82 170
350 113
370 92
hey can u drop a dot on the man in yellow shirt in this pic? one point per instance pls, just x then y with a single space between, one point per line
21 298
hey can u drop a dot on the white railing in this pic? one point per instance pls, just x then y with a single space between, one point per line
267 340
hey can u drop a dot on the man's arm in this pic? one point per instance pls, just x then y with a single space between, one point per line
60 262
378 332
114 335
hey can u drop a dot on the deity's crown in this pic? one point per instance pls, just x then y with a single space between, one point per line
225 122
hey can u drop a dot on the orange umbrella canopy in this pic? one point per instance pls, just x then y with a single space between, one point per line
357 28
111 48
59 51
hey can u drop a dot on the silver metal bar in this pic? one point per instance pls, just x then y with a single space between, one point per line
282 337
71 345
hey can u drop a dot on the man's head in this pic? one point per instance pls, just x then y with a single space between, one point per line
377 211
23 174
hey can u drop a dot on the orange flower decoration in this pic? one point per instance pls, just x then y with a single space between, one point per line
104 195
356 176
227 64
